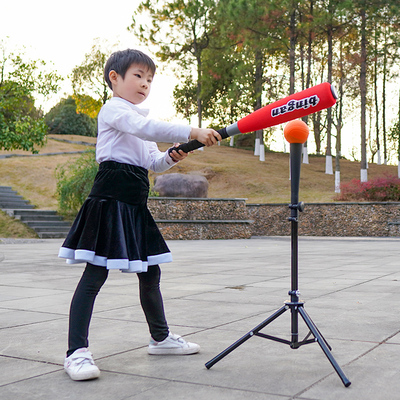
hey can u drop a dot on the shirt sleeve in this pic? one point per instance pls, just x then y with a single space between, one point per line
160 161
124 119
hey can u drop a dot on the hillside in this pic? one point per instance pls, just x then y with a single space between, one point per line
232 173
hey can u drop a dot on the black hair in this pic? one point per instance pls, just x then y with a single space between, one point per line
120 62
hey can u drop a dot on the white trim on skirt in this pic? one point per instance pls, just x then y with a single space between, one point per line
134 266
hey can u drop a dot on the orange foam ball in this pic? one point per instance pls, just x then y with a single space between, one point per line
296 131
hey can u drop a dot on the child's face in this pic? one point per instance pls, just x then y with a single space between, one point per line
135 87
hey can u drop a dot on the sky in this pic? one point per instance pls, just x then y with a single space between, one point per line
61 33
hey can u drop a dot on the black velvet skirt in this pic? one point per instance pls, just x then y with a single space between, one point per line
114 228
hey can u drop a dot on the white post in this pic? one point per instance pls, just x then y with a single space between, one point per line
262 152
328 165
364 175
305 154
379 162
231 141
257 147
337 181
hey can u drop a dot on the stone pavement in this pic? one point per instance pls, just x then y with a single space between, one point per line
214 292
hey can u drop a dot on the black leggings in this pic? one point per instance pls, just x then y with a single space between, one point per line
89 286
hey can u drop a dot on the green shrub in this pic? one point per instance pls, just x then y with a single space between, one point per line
74 182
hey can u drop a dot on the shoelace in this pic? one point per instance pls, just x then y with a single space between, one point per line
178 338
81 359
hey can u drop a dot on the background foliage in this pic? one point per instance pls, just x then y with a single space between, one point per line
21 124
64 119
74 182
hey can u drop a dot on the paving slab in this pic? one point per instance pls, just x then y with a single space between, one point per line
215 292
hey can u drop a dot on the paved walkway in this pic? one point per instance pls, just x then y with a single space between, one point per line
214 292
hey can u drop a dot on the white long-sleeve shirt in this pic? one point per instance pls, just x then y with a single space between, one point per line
126 135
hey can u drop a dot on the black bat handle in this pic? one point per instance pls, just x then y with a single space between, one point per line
195 144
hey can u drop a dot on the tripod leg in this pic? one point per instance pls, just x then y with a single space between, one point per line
323 346
246 337
315 326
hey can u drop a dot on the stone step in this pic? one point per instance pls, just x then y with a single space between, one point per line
48 224
33 214
61 229
8 195
52 235
37 215
15 205
28 213
6 189
32 218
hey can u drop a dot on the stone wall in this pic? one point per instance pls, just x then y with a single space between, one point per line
189 219
192 219
328 219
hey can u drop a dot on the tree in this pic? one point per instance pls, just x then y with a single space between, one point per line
21 124
370 12
88 81
64 119
259 43
386 54
180 29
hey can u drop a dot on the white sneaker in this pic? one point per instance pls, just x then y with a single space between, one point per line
173 344
80 365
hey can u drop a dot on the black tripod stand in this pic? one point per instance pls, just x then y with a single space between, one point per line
295 306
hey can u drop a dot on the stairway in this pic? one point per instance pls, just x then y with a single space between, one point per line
46 223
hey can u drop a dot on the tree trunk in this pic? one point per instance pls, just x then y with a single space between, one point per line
384 78
198 92
317 131
339 123
308 74
328 164
378 150
363 93
292 49
258 81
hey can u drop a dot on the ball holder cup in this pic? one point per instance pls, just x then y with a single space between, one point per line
296 133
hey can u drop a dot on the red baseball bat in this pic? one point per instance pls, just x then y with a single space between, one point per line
297 105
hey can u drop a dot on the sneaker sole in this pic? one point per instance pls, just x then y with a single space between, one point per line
168 352
84 376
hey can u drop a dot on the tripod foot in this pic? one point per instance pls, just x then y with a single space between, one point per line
246 337
324 346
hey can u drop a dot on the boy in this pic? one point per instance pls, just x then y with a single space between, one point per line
114 228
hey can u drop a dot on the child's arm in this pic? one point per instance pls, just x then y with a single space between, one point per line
162 160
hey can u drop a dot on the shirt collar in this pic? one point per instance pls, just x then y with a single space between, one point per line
141 111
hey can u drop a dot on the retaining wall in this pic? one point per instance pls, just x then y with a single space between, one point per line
328 219
186 218
191 218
